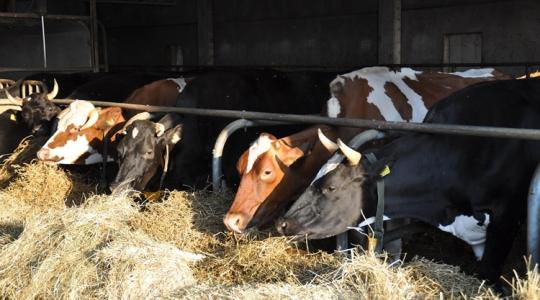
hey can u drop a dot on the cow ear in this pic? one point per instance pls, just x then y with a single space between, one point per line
171 136
241 165
381 168
287 154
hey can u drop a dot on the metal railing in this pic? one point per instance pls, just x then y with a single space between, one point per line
468 130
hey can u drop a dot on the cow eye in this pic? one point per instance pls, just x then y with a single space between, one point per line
266 174
331 188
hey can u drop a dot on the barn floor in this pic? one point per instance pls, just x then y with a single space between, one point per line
59 240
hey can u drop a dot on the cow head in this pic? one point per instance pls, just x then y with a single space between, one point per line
273 172
332 202
80 133
142 149
36 109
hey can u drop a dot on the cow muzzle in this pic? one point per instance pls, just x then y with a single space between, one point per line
44 154
235 222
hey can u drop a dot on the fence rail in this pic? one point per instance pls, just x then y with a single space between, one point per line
467 130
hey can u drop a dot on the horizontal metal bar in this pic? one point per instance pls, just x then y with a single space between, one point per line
37 16
435 65
7 69
467 130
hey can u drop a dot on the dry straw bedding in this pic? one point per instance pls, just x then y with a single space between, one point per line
58 240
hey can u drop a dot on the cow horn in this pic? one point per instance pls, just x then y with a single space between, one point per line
17 101
92 119
63 113
160 129
352 155
54 92
327 143
140 116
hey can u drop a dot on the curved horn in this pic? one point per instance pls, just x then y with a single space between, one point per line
17 101
327 143
352 155
160 129
54 92
63 113
92 119
140 116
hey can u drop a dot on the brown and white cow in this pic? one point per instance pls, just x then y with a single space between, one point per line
82 127
274 171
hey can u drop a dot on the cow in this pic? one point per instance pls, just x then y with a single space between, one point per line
271 91
37 111
82 127
474 188
369 93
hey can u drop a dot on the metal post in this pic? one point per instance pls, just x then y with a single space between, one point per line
94 35
44 43
217 153
533 217
396 54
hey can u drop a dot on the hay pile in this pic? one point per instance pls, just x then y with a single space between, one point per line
59 241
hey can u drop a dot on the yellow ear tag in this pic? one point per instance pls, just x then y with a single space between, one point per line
385 171
13 117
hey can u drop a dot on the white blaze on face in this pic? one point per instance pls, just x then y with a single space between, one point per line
377 78
260 146
329 166
180 82
333 107
467 229
79 111
135 132
475 73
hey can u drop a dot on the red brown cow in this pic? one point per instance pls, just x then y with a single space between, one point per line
272 172
82 127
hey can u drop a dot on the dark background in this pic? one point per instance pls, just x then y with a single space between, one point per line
324 33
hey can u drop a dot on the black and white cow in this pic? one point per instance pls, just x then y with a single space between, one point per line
474 188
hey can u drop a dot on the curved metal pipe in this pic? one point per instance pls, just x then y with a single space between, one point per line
222 138
533 216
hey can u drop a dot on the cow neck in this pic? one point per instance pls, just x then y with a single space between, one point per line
376 237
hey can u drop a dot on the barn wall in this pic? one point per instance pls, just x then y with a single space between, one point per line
142 34
509 29
262 32
302 32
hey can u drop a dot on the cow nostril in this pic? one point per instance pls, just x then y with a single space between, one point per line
43 154
234 222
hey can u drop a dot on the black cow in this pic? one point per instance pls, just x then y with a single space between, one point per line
12 131
37 111
475 188
270 91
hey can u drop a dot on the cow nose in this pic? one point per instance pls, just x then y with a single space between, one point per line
281 226
43 154
235 222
